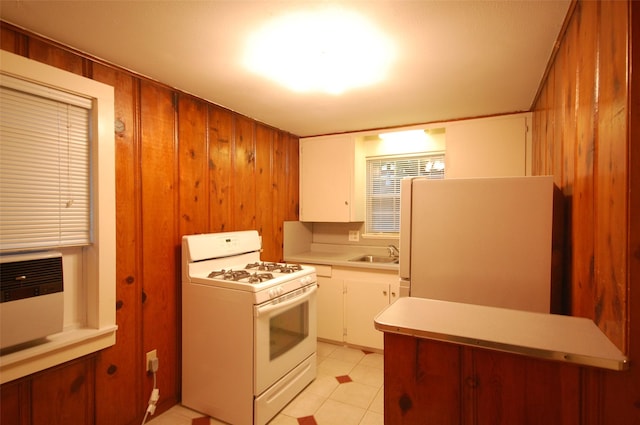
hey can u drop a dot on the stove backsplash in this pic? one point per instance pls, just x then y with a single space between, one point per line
298 236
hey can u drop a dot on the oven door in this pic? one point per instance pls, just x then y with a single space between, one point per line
285 335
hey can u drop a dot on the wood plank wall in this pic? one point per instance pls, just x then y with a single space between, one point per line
183 166
579 136
586 133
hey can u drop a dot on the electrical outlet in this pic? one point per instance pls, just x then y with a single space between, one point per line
151 356
354 235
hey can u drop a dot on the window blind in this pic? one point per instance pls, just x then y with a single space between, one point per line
384 175
44 167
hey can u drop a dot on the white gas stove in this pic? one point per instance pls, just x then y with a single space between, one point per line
232 260
248 328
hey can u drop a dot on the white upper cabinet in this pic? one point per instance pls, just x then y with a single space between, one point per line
488 147
332 179
333 168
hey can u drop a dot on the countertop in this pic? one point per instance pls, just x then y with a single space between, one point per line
337 255
547 336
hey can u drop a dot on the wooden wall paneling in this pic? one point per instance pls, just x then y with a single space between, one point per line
567 84
15 402
267 210
221 133
537 139
45 52
557 109
160 247
192 166
513 389
469 383
598 46
12 41
280 191
621 391
583 221
243 182
151 135
545 132
119 366
549 126
611 178
64 395
422 381
293 183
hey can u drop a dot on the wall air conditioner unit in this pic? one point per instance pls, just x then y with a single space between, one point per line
32 297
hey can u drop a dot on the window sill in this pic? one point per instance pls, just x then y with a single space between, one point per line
395 236
56 349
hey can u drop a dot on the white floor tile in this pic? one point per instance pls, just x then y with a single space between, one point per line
367 375
334 367
283 419
360 402
169 418
355 394
377 405
305 404
323 386
372 418
324 349
373 360
335 413
347 354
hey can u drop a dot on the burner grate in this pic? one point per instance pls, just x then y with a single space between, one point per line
274 267
255 272
240 276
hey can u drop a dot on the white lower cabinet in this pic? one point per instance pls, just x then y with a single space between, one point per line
364 299
348 301
330 308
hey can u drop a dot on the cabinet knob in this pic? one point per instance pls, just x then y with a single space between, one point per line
346 202
384 293
393 294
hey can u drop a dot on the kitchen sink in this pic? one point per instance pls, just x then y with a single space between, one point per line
375 259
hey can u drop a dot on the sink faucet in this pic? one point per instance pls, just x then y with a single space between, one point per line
393 251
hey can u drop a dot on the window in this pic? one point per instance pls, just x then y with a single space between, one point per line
89 323
44 167
383 187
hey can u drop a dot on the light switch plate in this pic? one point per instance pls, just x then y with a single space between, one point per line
354 235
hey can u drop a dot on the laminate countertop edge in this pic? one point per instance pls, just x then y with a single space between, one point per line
568 339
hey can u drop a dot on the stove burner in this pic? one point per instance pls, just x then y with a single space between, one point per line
274 267
257 278
252 273
234 275
240 275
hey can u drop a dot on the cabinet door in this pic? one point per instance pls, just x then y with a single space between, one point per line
326 179
394 291
487 147
330 309
364 300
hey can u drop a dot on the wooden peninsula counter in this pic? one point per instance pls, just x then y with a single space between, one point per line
453 363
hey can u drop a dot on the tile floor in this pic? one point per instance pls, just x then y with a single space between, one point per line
347 391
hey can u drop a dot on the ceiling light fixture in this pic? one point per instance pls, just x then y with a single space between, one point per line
329 50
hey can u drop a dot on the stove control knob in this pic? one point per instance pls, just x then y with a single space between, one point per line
280 290
273 293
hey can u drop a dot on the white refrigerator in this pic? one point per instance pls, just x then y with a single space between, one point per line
482 241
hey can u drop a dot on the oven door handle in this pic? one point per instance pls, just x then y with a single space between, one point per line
305 294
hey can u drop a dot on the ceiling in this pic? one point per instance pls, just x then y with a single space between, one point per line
455 59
